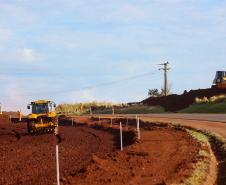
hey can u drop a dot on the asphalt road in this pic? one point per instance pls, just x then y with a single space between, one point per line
211 122
201 117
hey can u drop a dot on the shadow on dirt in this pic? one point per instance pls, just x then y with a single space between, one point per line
15 134
220 153
129 137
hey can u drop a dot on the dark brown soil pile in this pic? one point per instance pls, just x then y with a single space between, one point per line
177 102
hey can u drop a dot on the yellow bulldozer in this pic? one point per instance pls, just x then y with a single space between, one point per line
43 117
220 80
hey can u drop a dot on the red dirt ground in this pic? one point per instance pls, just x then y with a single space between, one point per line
89 155
29 159
163 156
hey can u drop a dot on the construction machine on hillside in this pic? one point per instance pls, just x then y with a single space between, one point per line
220 80
42 117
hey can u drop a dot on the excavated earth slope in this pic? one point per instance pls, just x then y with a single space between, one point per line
177 102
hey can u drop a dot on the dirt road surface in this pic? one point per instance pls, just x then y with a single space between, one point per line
201 117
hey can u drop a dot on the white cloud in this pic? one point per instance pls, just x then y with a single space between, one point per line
27 55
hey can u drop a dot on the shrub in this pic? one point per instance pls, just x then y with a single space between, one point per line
213 99
201 100
78 108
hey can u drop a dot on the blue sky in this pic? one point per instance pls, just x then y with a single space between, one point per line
53 49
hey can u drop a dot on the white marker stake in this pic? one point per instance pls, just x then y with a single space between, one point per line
57 164
111 122
72 121
57 157
113 111
121 135
91 111
138 128
0 108
20 115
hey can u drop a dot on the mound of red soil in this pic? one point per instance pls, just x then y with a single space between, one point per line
29 160
177 102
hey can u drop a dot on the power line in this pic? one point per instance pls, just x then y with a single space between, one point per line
53 74
88 87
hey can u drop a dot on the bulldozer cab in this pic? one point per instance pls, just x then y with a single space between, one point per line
42 107
220 79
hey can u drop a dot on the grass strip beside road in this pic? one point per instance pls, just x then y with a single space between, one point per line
201 167
134 109
205 108
218 145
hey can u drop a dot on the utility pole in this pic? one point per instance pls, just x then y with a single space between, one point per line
165 69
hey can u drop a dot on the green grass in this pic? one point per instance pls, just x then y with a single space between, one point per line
200 168
198 136
74 108
103 111
106 108
203 153
134 109
205 108
198 174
